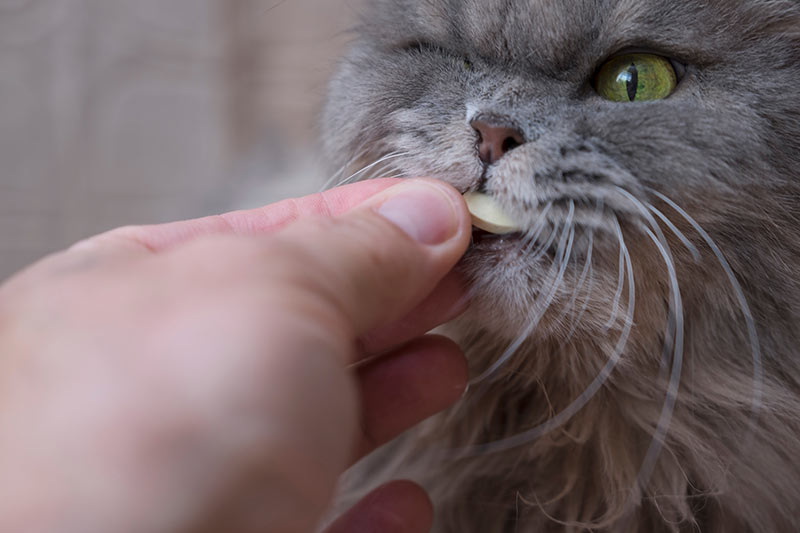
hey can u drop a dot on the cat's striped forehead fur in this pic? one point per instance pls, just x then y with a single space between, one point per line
644 320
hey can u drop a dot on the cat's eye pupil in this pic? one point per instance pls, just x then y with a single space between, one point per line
636 77
632 83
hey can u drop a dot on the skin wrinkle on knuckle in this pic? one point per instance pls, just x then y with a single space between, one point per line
134 237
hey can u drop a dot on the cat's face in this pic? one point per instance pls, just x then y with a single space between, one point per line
575 169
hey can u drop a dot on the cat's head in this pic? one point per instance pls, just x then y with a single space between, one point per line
579 117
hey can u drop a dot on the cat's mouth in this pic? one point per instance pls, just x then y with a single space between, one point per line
490 241
518 244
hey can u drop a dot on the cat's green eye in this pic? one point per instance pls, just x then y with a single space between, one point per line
636 78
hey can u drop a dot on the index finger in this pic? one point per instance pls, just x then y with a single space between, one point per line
260 221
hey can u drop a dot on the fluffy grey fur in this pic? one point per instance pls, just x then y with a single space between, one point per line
635 369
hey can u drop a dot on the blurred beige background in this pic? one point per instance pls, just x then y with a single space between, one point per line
118 112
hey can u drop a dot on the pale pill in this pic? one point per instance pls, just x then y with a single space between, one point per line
488 215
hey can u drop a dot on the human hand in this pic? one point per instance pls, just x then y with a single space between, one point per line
199 376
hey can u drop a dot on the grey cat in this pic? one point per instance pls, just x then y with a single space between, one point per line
635 349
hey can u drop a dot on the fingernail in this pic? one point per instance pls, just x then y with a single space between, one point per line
422 210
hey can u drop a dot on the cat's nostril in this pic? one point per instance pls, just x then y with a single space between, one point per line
496 137
510 143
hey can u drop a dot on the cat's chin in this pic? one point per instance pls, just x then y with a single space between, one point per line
502 291
520 286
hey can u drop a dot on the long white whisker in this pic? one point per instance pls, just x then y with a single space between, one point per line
566 242
581 280
357 154
618 293
580 402
674 229
645 212
507 260
356 175
576 322
543 247
758 377
676 314
529 240
590 271
533 235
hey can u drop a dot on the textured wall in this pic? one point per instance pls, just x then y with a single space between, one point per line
115 112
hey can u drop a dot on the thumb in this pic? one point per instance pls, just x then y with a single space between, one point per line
373 264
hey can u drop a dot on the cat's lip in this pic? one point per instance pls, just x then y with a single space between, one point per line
482 239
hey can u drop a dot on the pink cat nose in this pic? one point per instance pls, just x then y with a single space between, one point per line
496 137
